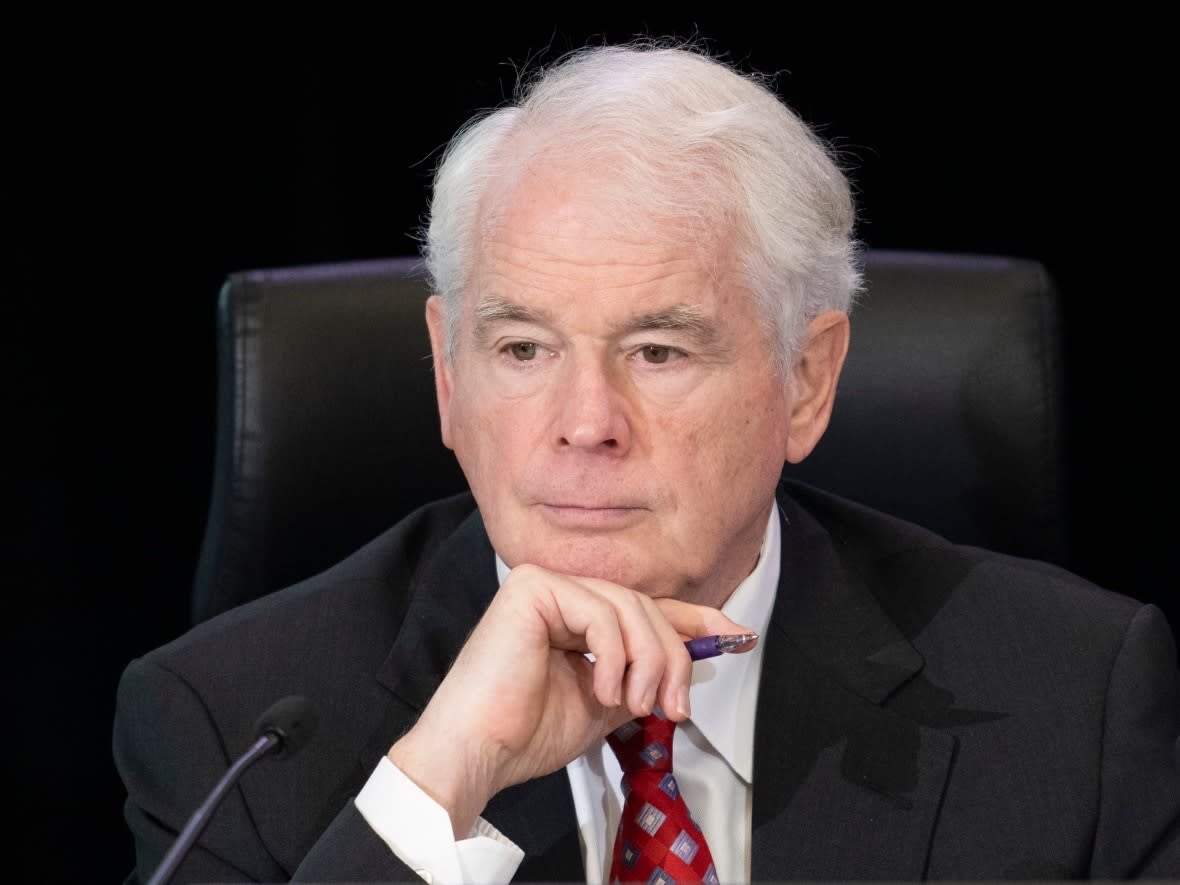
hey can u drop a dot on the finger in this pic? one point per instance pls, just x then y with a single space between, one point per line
692 621
660 671
677 676
610 622
644 648
604 640
650 645
612 719
581 620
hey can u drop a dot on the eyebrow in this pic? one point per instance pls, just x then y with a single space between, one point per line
681 318
490 311
677 318
493 310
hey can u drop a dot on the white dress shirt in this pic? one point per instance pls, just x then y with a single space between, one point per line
713 757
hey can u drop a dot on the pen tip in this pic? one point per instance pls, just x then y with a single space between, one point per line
736 642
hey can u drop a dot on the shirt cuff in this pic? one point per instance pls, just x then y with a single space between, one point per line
418 830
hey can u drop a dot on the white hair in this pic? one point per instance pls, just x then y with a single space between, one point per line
688 138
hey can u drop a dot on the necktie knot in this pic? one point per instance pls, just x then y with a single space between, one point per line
644 744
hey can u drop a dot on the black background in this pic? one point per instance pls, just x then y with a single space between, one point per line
147 158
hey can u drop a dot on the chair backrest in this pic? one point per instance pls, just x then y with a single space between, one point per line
949 413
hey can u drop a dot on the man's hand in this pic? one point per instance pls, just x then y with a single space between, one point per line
522 700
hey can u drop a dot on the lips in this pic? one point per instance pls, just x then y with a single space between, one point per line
583 516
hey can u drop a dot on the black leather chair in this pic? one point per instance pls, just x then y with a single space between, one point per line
949 413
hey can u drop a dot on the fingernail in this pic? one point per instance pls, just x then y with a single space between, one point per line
683 707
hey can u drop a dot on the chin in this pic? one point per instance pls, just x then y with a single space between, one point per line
605 560
656 582
638 556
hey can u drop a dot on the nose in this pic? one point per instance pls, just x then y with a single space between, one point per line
592 409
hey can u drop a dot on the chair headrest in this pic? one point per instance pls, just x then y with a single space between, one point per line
948 413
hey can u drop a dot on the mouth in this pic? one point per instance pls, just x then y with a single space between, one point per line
581 516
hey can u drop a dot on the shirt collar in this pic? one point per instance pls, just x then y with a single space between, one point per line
725 688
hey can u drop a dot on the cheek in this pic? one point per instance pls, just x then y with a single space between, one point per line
492 434
759 420
740 440
701 451
469 428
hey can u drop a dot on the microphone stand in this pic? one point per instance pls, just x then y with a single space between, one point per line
200 817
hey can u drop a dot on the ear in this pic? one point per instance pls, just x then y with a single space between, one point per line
812 384
443 377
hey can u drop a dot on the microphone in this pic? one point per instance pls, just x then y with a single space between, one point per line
285 727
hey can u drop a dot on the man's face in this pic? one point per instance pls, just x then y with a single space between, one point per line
613 398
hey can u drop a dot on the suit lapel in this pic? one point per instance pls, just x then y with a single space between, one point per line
449 595
843 789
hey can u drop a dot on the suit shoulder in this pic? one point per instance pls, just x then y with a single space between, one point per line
364 595
916 574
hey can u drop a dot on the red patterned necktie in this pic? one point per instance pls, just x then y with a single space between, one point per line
658 841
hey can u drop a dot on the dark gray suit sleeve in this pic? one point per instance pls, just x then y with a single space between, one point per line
170 754
350 851
1138 831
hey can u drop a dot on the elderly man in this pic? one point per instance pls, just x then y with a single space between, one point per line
644 272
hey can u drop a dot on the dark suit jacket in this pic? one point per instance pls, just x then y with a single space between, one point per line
926 710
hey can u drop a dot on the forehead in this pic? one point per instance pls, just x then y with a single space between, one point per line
555 229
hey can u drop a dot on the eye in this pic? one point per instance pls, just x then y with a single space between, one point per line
523 350
656 353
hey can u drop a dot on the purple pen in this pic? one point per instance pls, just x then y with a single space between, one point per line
711 646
